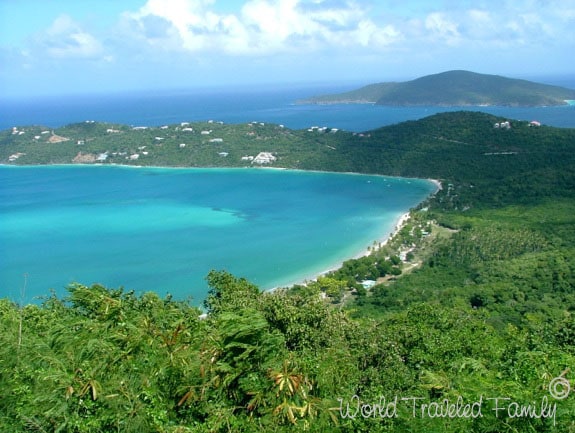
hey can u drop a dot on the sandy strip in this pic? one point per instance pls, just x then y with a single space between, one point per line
400 223
437 183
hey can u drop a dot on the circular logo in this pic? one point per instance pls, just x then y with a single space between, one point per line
559 388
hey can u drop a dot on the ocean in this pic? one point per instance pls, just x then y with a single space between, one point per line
240 105
163 230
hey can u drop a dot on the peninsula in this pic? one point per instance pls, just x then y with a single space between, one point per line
454 88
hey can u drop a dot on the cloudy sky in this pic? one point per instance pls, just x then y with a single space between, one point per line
72 46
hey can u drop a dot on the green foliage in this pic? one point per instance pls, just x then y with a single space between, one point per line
485 309
481 166
228 293
105 360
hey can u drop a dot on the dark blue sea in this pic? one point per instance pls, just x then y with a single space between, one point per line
238 105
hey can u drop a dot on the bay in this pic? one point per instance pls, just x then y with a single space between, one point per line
164 229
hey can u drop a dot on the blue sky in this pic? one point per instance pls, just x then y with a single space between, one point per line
70 46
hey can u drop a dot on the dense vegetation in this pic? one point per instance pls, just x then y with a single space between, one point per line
455 88
472 305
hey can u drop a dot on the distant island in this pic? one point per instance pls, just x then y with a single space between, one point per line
454 88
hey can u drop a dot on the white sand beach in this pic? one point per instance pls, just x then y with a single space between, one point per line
400 223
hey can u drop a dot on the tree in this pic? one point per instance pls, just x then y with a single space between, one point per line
333 288
228 293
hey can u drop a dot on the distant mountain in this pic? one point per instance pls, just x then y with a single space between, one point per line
454 88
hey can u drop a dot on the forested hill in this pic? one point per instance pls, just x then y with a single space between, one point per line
482 154
454 88
470 329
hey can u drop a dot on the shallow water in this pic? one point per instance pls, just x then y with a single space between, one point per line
165 229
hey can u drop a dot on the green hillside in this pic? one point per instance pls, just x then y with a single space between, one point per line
455 88
469 326
463 148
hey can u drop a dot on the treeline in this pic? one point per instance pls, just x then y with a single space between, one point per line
108 360
499 261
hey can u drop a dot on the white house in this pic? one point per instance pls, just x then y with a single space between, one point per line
264 158
368 284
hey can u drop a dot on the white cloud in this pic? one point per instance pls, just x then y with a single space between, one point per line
260 27
66 39
271 25
440 27
301 27
176 42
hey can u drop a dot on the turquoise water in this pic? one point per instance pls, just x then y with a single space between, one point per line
165 229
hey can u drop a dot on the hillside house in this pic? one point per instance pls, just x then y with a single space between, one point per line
264 158
502 125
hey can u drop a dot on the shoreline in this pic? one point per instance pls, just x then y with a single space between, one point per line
381 240
436 182
400 222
